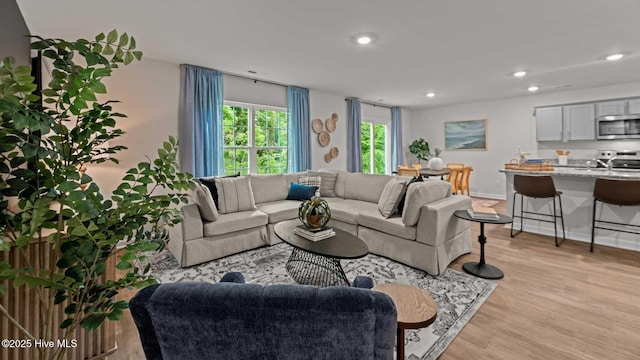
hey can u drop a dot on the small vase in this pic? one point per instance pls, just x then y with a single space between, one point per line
436 163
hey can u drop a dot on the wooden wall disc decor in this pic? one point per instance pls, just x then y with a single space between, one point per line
324 138
334 152
317 126
334 117
328 157
331 125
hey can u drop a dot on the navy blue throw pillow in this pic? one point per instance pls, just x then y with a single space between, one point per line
301 192
211 184
404 196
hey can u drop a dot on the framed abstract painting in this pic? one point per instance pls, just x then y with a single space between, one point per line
465 135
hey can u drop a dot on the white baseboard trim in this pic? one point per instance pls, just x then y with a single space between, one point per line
490 196
599 239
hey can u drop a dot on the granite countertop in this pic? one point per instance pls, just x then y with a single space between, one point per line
581 172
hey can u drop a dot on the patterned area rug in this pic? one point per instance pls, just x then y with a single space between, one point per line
458 295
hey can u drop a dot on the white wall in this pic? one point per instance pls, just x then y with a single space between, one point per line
148 92
510 124
322 105
257 93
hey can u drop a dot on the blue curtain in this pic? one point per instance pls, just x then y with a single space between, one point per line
200 121
396 138
354 141
299 137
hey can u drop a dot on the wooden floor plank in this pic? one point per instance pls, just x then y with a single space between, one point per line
553 303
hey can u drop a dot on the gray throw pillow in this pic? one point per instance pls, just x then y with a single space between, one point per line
328 183
235 194
390 197
202 197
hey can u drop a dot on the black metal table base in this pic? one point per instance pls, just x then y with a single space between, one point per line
311 269
484 271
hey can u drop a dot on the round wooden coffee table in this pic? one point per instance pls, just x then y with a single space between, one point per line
318 263
416 309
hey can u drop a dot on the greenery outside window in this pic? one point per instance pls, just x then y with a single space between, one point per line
255 139
374 147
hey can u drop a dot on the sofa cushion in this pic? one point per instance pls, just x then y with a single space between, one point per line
347 210
310 180
293 177
232 222
267 188
301 192
202 197
404 196
341 181
327 184
235 194
210 183
390 197
392 226
280 210
420 194
366 187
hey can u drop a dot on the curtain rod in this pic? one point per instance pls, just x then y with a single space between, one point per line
255 80
372 103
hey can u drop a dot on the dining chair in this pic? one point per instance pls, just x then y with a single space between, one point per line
404 170
458 166
453 179
463 181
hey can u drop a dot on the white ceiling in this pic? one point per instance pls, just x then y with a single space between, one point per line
464 50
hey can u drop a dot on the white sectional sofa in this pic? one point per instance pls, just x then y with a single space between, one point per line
426 236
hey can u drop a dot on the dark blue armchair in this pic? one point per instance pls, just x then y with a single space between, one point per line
234 320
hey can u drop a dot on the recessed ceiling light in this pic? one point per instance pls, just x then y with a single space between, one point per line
533 88
615 57
364 39
431 94
519 73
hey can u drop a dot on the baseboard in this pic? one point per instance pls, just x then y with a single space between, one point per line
582 237
490 196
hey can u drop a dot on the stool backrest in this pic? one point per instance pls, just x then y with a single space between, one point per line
617 192
534 186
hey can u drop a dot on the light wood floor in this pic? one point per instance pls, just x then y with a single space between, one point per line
553 303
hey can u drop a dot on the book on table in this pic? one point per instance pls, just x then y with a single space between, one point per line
483 213
314 234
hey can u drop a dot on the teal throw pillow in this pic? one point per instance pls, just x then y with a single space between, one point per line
301 192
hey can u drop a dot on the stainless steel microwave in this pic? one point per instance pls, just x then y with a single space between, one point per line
618 127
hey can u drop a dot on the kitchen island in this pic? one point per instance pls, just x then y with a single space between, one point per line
577 185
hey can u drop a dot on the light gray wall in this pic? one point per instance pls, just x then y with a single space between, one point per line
510 124
14 40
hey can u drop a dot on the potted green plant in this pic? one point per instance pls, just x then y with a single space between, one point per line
420 149
49 206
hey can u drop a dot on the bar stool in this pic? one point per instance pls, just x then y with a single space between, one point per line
537 187
615 192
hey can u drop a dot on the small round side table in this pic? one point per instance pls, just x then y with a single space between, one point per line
416 309
481 268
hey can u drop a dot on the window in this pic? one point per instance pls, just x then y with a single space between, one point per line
374 147
255 139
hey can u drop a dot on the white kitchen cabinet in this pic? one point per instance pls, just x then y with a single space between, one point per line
634 106
549 123
611 108
579 122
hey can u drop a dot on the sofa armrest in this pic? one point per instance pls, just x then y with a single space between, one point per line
437 222
142 319
190 228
